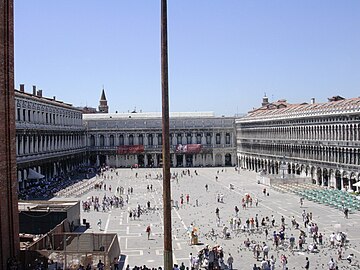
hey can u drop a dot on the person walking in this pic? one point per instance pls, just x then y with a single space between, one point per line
148 231
99 224
100 265
331 264
230 261
284 262
307 263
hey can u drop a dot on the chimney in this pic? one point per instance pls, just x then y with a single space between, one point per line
34 90
54 97
39 93
22 88
312 101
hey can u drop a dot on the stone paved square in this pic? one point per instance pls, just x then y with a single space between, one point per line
138 250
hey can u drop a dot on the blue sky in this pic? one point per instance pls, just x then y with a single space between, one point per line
223 54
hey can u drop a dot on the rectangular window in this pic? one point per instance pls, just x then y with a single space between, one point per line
159 139
218 141
227 138
198 138
121 140
150 140
179 139
188 138
18 114
208 138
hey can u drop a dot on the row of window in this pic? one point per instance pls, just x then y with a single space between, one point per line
334 132
29 144
325 154
140 139
34 116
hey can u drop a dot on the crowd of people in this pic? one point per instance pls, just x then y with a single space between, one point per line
45 189
271 239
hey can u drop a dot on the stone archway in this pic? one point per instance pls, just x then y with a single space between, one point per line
319 175
313 174
228 161
337 179
352 180
325 177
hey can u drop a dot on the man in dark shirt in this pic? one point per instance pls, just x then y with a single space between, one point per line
307 263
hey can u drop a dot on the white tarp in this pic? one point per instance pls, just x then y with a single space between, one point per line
34 175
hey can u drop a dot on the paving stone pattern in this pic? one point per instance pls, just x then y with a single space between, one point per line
138 250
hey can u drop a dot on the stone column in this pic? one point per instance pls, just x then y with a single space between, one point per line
117 161
155 140
222 138
21 150
184 160
145 160
174 160
155 160
97 161
145 138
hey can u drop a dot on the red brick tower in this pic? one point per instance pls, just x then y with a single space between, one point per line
9 217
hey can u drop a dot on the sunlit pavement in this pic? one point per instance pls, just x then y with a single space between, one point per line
138 250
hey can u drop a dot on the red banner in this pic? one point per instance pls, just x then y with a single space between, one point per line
130 149
188 148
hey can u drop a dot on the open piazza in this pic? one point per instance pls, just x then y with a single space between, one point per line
199 215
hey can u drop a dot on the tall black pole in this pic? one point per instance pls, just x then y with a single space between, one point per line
168 262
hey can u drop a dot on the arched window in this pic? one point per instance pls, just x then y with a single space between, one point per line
150 139
227 138
188 138
218 138
159 139
102 140
141 139
179 138
111 140
208 138
121 139
92 140
198 138
131 139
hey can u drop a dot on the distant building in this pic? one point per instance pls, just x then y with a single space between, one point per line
135 139
317 140
49 136
53 138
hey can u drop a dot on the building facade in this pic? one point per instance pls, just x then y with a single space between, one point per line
50 136
317 140
135 139
54 138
